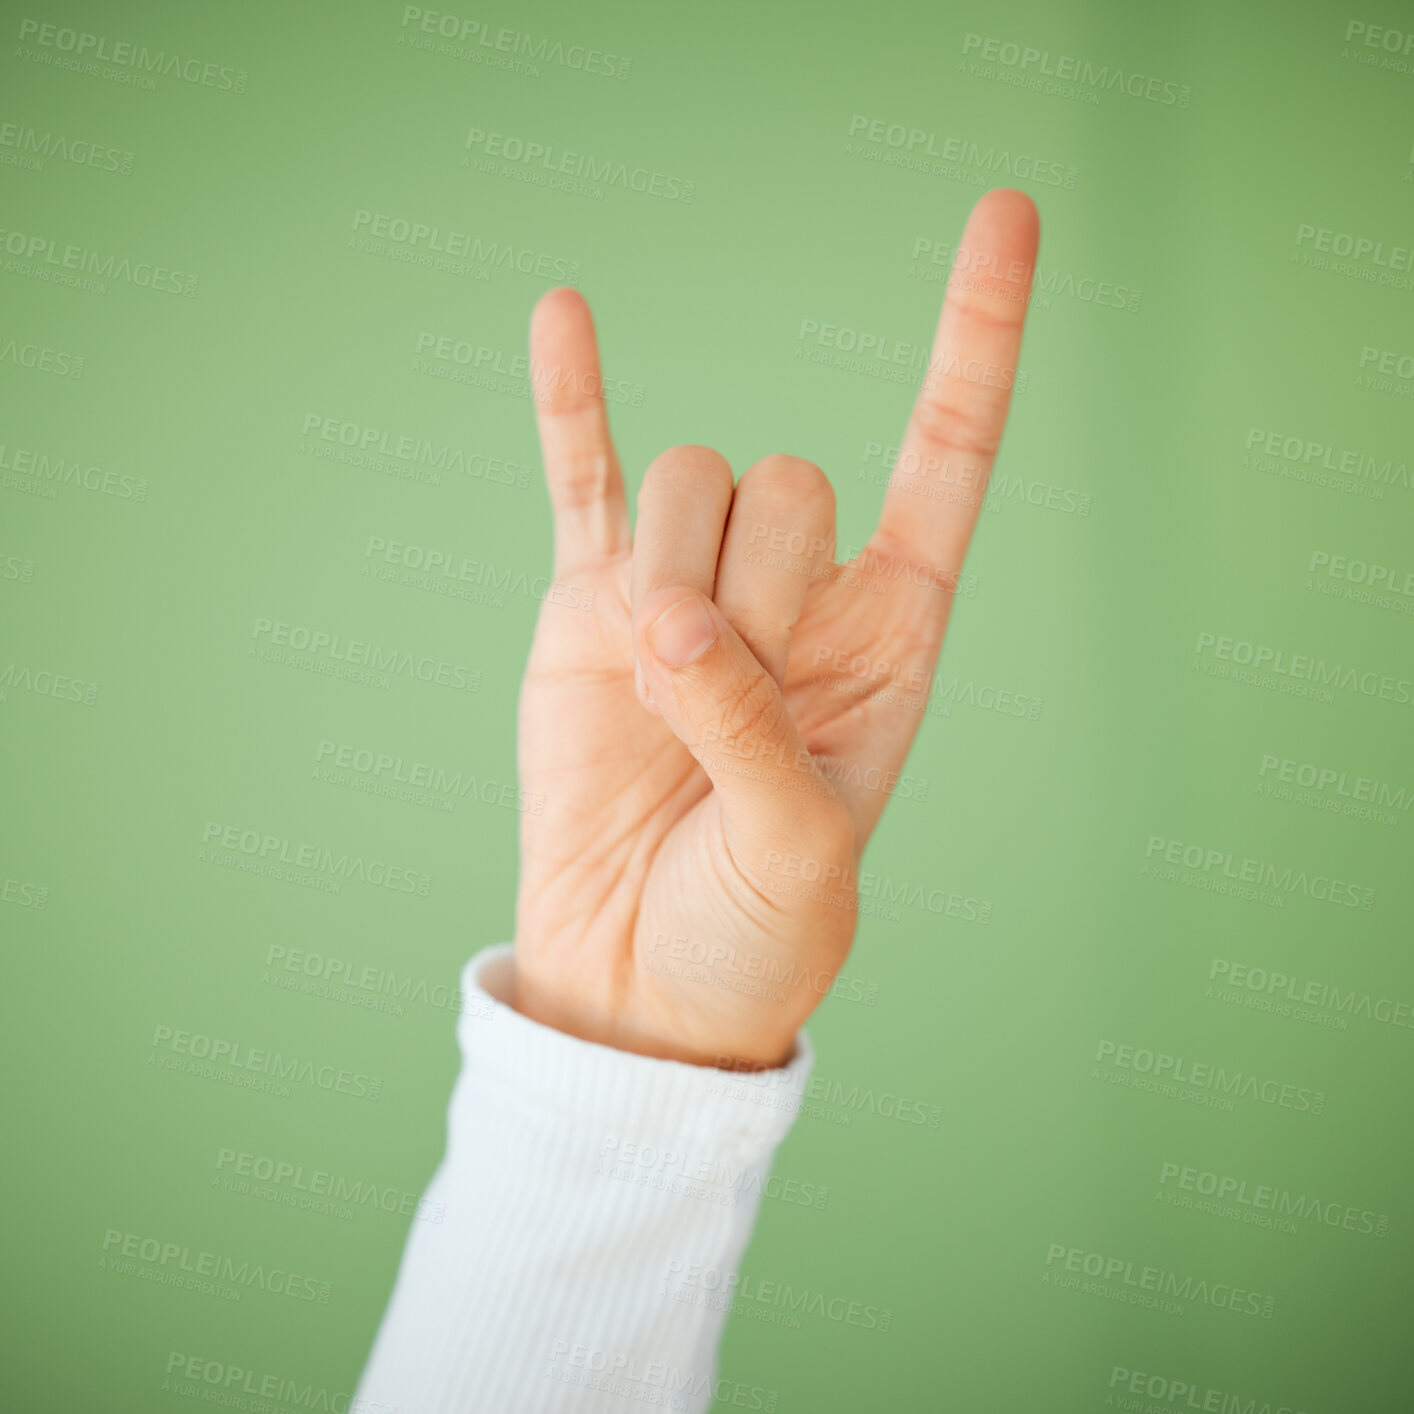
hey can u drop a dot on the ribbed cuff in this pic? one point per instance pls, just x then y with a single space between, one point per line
739 1115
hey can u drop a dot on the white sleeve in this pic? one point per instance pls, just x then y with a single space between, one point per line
573 1249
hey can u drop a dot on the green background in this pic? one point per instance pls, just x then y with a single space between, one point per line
1147 412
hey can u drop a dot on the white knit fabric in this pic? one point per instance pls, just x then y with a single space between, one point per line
592 1201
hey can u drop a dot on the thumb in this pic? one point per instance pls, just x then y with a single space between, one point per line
728 711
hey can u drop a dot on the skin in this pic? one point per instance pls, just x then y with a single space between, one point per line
713 739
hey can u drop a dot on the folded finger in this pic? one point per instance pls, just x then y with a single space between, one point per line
780 538
682 511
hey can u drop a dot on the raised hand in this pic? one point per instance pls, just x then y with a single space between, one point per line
715 739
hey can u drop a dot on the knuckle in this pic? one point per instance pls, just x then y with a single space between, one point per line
750 711
584 478
690 457
791 478
781 471
795 488
823 829
692 466
755 624
971 428
833 832
992 306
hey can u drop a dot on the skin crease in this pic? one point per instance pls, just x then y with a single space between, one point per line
680 802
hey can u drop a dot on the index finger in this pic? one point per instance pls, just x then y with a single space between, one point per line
581 467
947 452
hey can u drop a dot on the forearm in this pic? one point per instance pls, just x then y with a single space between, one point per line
577 1183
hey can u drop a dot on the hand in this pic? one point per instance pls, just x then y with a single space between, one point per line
715 738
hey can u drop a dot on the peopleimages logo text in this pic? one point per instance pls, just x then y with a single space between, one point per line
1024 57
179 1257
1261 657
227 1384
1181 1071
1243 868
232 1056
1265 1198
1185 1394
81 44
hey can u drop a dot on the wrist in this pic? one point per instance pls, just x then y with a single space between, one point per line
624 1028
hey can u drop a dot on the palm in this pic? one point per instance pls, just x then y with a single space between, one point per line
629 815
639 862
